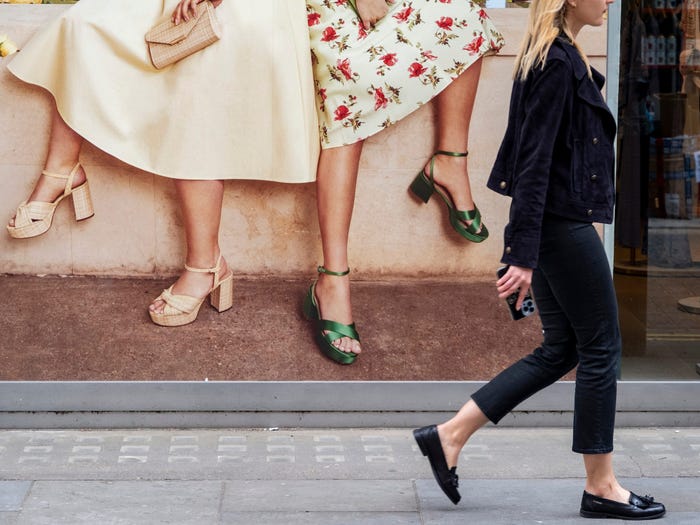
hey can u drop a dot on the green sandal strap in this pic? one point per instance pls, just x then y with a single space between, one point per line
327 332
451 153
338 330
323 270
469 215
474 216
468 224
445 153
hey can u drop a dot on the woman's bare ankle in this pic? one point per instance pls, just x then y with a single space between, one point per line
609 489
451 173
333 285
48 189
451 443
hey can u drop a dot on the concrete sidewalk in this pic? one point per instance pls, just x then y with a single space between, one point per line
323 476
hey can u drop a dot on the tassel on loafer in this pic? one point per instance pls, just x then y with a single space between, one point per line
638 508
429 443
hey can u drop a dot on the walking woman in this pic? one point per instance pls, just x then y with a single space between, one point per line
373 66
556 162
243 108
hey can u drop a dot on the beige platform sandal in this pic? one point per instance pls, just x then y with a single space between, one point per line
183 309
34 217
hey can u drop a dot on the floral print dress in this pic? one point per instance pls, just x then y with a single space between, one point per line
367 80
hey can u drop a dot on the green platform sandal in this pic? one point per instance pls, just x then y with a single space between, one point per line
424 187
327 332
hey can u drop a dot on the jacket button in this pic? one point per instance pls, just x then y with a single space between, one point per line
595 140
594 176
503 185
589 212
508 250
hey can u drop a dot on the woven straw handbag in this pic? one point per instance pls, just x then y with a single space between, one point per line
168 43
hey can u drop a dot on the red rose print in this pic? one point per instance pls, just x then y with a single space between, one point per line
402 16
329 34
416 70
313 19
433 40
380 100
344 68
475 45
445 22
342 112
389 59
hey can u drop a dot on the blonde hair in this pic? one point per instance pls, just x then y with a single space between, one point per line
547 22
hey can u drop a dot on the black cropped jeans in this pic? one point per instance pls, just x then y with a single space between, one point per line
574 292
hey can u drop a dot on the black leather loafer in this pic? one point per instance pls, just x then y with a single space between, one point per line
638 508
429 442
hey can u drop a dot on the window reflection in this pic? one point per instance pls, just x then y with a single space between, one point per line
657 255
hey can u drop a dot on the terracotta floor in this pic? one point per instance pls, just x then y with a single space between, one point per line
82 328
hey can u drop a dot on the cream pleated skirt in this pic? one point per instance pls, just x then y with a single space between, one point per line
243 108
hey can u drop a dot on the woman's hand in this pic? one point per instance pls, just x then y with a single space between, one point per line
515 278
187 8
371 11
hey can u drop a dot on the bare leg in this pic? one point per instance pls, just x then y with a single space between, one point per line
64 149
455 433
336 183
454 111
601 480
200 202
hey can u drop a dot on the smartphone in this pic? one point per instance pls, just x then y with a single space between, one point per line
528 303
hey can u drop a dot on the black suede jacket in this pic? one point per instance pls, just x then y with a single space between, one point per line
557 155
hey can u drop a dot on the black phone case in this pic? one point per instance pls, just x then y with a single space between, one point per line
528 304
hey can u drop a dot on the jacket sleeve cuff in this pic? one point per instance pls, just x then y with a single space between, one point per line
519 251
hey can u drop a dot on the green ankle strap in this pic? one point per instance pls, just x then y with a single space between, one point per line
447 154
451 153
321 269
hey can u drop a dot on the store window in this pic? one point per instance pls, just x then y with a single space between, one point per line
657 229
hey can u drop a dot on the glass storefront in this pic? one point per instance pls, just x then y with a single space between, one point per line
657 228
652 59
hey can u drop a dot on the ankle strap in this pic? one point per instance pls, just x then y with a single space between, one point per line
68 178
215 269
445 153
451 153
58 175
321 269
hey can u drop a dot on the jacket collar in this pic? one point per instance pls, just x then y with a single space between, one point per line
579 66
577 63
584 90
